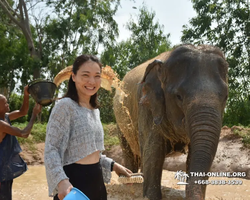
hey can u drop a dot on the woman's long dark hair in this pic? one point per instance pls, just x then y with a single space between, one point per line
72 92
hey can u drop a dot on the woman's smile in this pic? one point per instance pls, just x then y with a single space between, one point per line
89 88
87 79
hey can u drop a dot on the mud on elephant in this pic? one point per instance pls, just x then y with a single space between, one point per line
170 106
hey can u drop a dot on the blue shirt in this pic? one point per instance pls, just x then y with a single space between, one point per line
11 164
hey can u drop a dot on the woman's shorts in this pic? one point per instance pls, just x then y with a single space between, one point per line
88 179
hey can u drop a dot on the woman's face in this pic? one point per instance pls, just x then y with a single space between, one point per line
87 79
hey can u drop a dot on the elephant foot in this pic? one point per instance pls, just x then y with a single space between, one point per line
195 193
152 197
152 194
195 197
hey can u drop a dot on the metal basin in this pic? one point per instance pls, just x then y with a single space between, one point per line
42 91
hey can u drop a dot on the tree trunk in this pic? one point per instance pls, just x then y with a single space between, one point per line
21 19
4 91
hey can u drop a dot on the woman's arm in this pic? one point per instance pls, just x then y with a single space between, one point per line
120 170
106 167
106 164
57 136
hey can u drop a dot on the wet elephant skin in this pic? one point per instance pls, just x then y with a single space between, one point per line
169 106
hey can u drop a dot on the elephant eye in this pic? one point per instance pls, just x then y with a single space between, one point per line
179 97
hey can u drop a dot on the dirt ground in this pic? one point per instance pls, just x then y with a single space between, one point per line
231 156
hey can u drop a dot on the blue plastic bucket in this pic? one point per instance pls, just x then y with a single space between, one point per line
76 194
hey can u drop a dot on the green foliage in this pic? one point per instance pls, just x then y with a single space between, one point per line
77 27
15 103
147 41
106 105
60 31
17 62
118 57
226 24
38 133
70 29
14 57
236 114
246 141
244 133
110 135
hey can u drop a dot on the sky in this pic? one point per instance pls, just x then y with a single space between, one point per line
173 14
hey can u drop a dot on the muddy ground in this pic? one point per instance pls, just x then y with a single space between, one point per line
231 156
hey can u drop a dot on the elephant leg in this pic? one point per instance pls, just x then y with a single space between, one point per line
153 158
131 160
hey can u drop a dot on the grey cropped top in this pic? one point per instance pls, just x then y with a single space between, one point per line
73 132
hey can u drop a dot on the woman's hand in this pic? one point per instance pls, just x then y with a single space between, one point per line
64 188
120 170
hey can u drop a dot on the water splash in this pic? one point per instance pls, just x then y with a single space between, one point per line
109 79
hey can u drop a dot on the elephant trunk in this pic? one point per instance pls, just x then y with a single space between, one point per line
204 126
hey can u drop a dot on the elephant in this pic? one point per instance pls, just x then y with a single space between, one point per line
173 103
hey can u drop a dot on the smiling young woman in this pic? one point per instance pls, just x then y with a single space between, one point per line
75 137
87 81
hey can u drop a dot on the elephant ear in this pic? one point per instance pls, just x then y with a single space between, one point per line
150 67
152 93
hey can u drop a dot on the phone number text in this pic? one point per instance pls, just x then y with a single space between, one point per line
218 182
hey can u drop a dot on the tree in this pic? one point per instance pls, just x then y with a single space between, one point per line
14 55
147 40
78 27
118 57
53 40
17 12
225 24
37 45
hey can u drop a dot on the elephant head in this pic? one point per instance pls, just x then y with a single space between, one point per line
190 89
